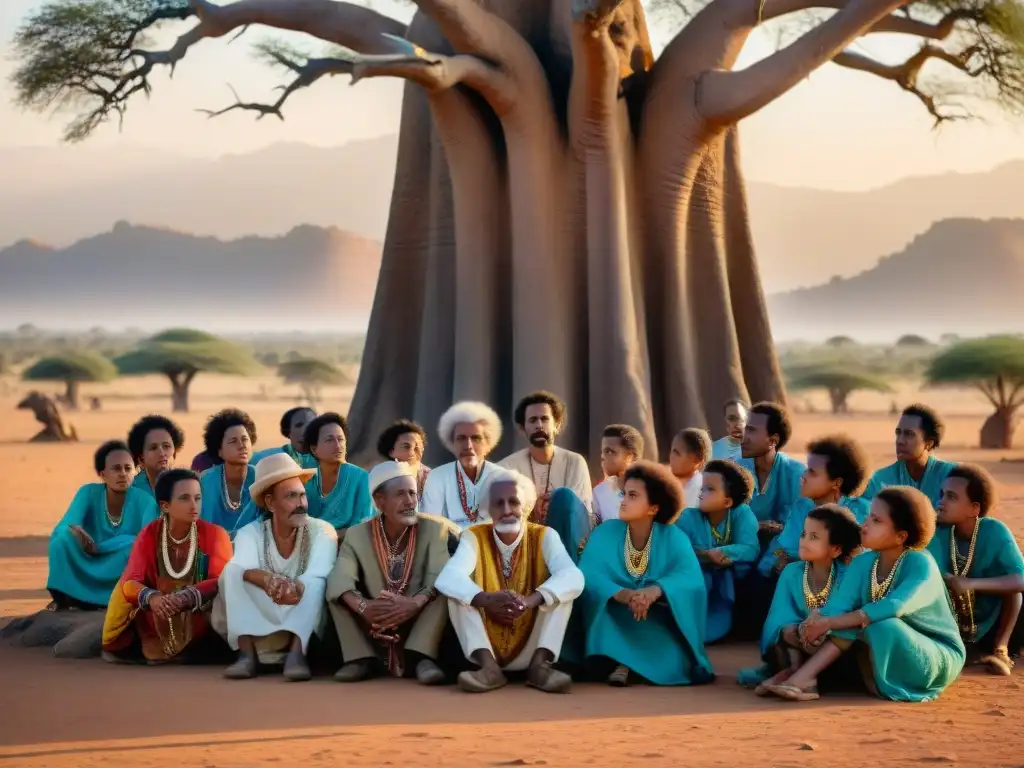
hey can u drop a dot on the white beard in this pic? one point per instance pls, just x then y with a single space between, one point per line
509 527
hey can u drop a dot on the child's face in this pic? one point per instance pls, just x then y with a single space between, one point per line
878 532
681 461
712 494
815 483
615 459
635 505
814 542
955 506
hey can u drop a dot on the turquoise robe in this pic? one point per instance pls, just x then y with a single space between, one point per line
995 554
789 539
141 482
667 648
215 508
304 460
349 502
720 583
935 473
914 641
783 488
91 578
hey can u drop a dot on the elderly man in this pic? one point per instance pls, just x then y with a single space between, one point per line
381 592
272 590
510 586
470 430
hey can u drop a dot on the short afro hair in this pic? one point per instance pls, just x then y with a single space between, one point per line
842 526
469 412
778 422
286 418
217 427
662 489
166 480
540 397
932 425
630 438
140 431
312 434
738 482
388 438
911 512
526 491
981 486
845 460
697 442
99 459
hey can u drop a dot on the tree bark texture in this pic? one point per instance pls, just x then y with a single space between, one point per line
998 430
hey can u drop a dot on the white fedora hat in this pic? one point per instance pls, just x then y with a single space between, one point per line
272 470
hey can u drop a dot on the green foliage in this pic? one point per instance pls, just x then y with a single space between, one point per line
832 377
979 360
912 340
71 366
310 370
183 350
840 341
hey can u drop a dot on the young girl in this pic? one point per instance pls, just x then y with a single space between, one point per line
891 610
831 534
621 446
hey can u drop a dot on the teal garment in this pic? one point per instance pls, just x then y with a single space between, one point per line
935 473
568 517
915 644
789 539
304 460
91 578
720 583
724 448
141 482
667 648
349 501
215 507
996 554
781 490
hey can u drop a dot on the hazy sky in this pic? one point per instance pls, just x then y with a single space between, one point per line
839 129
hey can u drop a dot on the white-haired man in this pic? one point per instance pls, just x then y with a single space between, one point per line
470 430
510 588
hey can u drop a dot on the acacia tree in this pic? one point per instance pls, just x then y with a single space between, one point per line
72 369
995 366
839 382
180 354
567 213
311 374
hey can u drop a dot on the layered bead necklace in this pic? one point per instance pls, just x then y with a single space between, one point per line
302 546
471 513
814 599
963 605
880 590
234 506
721 539
192 537
637 559
114 522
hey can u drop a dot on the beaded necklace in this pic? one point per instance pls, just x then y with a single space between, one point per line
302 545
637 559
193 543
471 513
878 591
963 605
114 522
721 539
234 506
814 599
388 554
547 479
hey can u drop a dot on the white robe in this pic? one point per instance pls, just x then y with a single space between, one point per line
245 609
564 584
441 492
607 499
566 470
691 490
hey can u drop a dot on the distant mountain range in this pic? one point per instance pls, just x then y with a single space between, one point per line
804 237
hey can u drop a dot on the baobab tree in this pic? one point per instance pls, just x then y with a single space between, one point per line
567 213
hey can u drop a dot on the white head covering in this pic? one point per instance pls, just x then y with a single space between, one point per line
525 490
469 412
386 471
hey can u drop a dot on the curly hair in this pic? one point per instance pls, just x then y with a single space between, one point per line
469 412
738 482
166 480
910 512
312 434
388 438
630 437
526 491
981 486
932 425
140 431
845 460
217 427
842 526
540 397
697 442
286 418
662 489
99 459
778 422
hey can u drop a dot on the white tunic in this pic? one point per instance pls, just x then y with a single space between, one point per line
691 490
607 499
725 448
566 470
441 492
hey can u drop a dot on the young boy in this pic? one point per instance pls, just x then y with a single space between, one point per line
982 566
621 447
691 450
829 537
723 532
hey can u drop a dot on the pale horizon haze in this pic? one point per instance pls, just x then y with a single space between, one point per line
838 130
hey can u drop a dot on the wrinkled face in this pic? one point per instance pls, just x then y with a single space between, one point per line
955 506
911 443
119 471
814 542
735 421
878 531
635 503
286 501
471 444
756 440
157 451
506 509
540 428
330 444
713 497
236 447
815 483
298 426
408 448
396 500
682 462
186 502
615 459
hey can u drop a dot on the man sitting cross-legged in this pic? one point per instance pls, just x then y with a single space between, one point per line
511 586
381 592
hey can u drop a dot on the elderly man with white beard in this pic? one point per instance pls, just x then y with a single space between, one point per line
381 592
511 585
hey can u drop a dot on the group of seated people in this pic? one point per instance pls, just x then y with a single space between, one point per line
891 581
